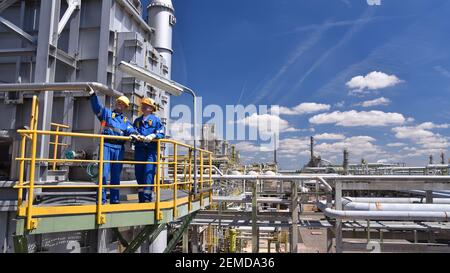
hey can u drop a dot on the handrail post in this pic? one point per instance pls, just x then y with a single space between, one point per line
210 179
190 181
175 181
201 178
55 149
100 218
158 188
21 171
32 224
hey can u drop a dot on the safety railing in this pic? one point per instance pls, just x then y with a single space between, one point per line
174 171
56 143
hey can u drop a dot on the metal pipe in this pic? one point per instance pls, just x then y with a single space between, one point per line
384 215
266 177
194 97
442 194
397 200
356 178
217 170
388 215
323 182
72 86
355 206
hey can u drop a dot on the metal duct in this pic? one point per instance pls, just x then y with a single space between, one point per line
69 86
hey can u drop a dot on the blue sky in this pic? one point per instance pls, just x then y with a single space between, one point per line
374 79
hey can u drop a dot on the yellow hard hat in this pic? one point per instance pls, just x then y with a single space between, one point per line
124 100
150 102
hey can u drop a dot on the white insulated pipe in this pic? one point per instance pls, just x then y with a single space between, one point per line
389 215
335 177
439 216
354 206
396 200
66 86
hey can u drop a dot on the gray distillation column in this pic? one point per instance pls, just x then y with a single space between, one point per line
162 19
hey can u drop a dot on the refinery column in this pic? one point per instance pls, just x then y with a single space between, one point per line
161 17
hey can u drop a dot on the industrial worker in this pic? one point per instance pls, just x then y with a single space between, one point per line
113 123
149 128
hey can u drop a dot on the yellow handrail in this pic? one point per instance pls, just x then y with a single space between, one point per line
31 223
163 162
56 143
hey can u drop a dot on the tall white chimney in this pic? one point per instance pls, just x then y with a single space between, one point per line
161 16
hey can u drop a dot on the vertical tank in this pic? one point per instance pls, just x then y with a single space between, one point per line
161 17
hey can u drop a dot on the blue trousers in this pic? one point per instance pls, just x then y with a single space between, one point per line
113 153
145 174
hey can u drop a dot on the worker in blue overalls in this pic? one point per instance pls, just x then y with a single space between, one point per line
149 128
113 123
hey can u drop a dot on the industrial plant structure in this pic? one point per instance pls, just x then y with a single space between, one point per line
52 52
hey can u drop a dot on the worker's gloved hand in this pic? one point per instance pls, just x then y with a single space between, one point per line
91 91
135 138
150 138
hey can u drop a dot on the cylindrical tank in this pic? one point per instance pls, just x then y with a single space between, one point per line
225 148
161 17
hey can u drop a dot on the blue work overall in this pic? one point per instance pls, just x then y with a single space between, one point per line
113 124
147 152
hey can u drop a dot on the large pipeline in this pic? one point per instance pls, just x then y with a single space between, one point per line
399 200
385 215
69 86
354 206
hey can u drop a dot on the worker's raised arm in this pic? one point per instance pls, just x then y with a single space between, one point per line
99 110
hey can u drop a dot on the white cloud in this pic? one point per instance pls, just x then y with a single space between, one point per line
286 111
304 108
327 136
397 144
376 102
291 130
251 147
431 125
428 141
442 70
267 124
308 108
340 104
372 81
294 146
359 146
354 118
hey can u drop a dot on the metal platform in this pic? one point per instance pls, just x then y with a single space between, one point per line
144 215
